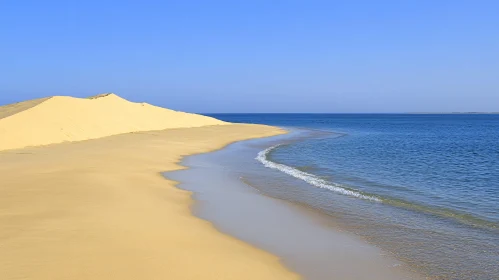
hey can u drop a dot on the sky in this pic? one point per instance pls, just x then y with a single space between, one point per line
256 56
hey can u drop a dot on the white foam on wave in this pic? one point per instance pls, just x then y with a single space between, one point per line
307 177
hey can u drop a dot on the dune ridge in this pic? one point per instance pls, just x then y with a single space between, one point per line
60 119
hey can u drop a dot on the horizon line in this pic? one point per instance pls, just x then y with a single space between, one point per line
357 113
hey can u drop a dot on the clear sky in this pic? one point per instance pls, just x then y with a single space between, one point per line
256 56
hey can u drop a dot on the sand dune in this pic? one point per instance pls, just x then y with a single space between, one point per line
12 109
62 118
100 209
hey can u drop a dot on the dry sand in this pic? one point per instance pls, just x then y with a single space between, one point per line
100 209
62 118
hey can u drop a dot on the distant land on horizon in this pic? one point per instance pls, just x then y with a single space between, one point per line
393 113
456 113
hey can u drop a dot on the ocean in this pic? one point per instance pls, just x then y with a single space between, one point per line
424 188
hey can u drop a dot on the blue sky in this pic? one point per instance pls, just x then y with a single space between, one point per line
256 56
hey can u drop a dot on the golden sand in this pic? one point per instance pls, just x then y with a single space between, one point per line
100 209
62 118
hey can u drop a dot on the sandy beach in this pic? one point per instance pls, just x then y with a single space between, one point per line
100 209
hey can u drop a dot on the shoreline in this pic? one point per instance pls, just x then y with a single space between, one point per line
223 195
101 209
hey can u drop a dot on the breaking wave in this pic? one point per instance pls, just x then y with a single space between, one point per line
309 178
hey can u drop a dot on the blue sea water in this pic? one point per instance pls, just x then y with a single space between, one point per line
423 187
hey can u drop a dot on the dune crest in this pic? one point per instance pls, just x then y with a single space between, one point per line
60 119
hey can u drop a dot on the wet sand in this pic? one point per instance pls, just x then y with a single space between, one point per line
100 209
308 242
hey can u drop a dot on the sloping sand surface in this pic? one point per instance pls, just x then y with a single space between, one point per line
12 109
62 118
100 209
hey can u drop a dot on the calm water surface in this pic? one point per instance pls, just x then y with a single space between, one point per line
425 188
